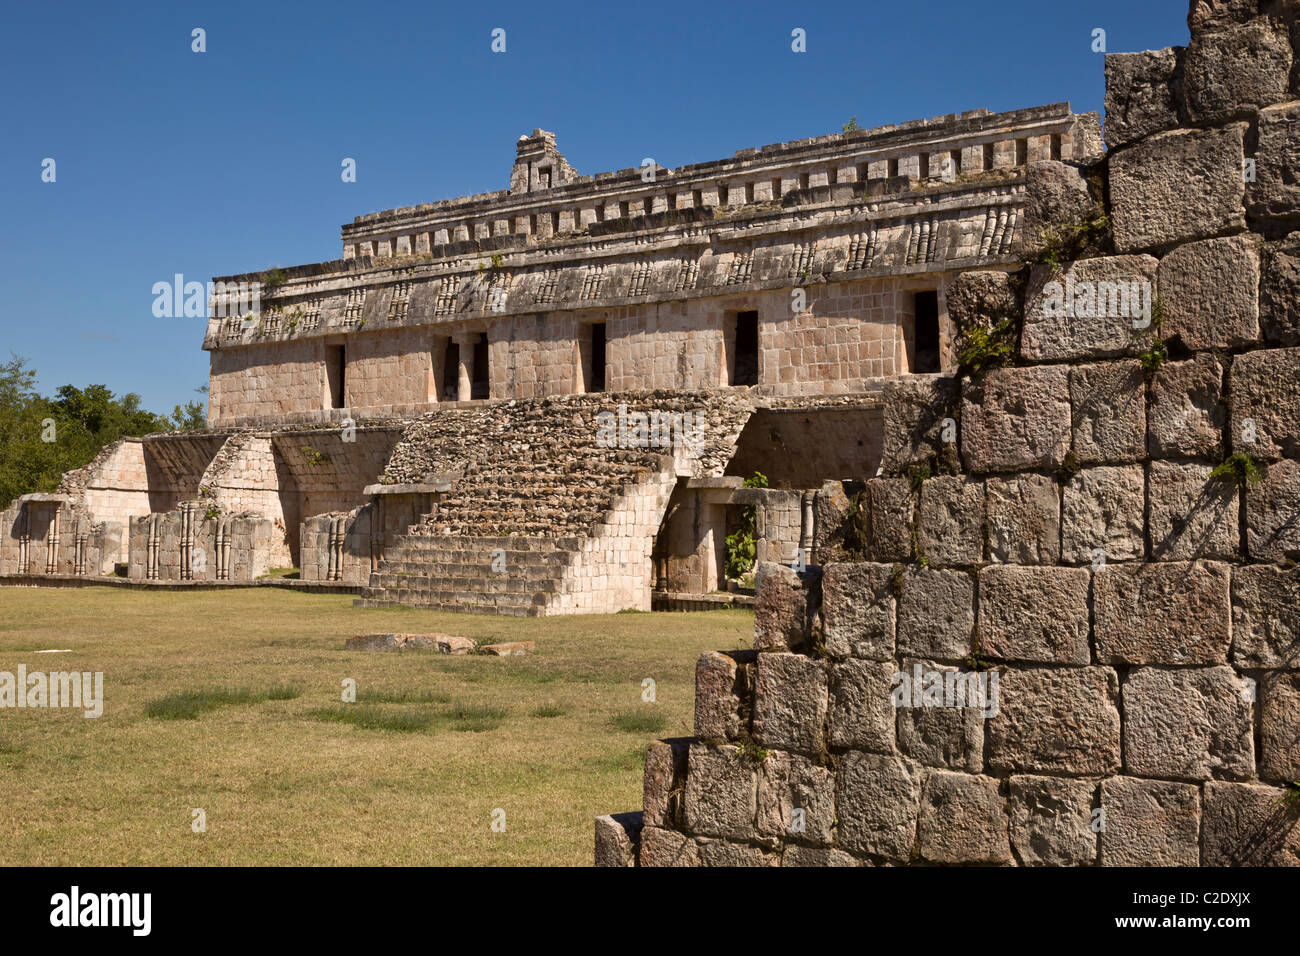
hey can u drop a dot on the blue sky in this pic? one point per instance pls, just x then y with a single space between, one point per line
228 161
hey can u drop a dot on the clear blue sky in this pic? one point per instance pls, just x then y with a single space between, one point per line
228 161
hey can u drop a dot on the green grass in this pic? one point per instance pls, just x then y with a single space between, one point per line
555 738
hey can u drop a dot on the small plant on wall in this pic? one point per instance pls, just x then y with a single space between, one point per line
742 549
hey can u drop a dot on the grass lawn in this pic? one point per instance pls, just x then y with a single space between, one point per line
230 702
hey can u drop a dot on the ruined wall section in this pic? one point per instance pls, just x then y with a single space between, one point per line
1062 627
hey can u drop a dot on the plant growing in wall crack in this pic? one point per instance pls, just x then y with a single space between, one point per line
312 456
1240 468
983 349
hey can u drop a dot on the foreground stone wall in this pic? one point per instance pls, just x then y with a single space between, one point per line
1062 626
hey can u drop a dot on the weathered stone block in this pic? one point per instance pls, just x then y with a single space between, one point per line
790 703
1232 72
1023 516
950 520
1170 614
978 299
877 800
1150 823
1056 194
796 855
1087 309
914 413
1178 186
1188 724
1056 720
719 688
660 847
1273 513
1102 508
663 780
733 855
796 799
721 793
1280 727
1209 293
1034 614
1186 414
936 614
861 710
1265 617
963 820
893 506
945 736
1051 821
786 606
1016 419
1141 91
1110 412
1266 403
1279 291
859 610
1245 825
617 836
1206 16
1192 514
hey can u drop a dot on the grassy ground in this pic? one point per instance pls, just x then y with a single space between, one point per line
230 702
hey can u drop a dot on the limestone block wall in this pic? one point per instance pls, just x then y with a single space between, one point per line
247 478
1062 626
31 542
188 545
337 546
115 486
779 525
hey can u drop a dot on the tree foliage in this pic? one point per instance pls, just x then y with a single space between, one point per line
41 436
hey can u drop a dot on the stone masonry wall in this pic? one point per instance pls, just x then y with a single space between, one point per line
1062 627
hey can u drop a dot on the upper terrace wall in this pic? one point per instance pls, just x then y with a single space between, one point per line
858 221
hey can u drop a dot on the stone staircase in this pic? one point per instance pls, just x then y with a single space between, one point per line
545 515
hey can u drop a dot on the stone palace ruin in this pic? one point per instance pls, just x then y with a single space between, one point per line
422 419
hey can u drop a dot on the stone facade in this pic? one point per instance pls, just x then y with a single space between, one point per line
1074 641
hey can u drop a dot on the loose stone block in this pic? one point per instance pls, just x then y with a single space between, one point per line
1273 513
721 793
786 606
1188 724
1178 186
963 820
1244 825
1103 508
1034 614
936 614
877 799
859 610
1150 823
1051 821
943 736
1170 614
1056 194
1192 513
509 649
1023 516
912 426
1016 419
616 839
790 703
1087 309
893 507
663 780
1231 73
1209 293
1186 414
1280 727
1265 617
1266 403
1110 412
1140 94
1056 720
660 847
1279 292
796 799
861 709
950 520
719 685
